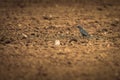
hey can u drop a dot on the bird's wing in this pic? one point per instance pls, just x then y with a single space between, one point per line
84 32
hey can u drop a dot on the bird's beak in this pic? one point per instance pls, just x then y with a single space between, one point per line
77 26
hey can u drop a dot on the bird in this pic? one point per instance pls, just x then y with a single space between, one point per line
83 32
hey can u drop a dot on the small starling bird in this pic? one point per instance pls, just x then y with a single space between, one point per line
83 32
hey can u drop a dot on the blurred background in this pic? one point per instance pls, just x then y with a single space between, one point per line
49 2
39 40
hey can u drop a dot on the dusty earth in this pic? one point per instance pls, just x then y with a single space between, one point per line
28 33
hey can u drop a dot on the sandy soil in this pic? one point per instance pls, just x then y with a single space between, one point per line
28 34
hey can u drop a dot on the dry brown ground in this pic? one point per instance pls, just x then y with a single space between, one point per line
28 34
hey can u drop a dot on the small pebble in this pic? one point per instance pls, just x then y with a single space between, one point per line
24 35
57 42
47 17
19 25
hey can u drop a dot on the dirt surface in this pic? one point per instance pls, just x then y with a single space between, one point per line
28 35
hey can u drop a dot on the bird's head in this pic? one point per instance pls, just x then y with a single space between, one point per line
79 27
